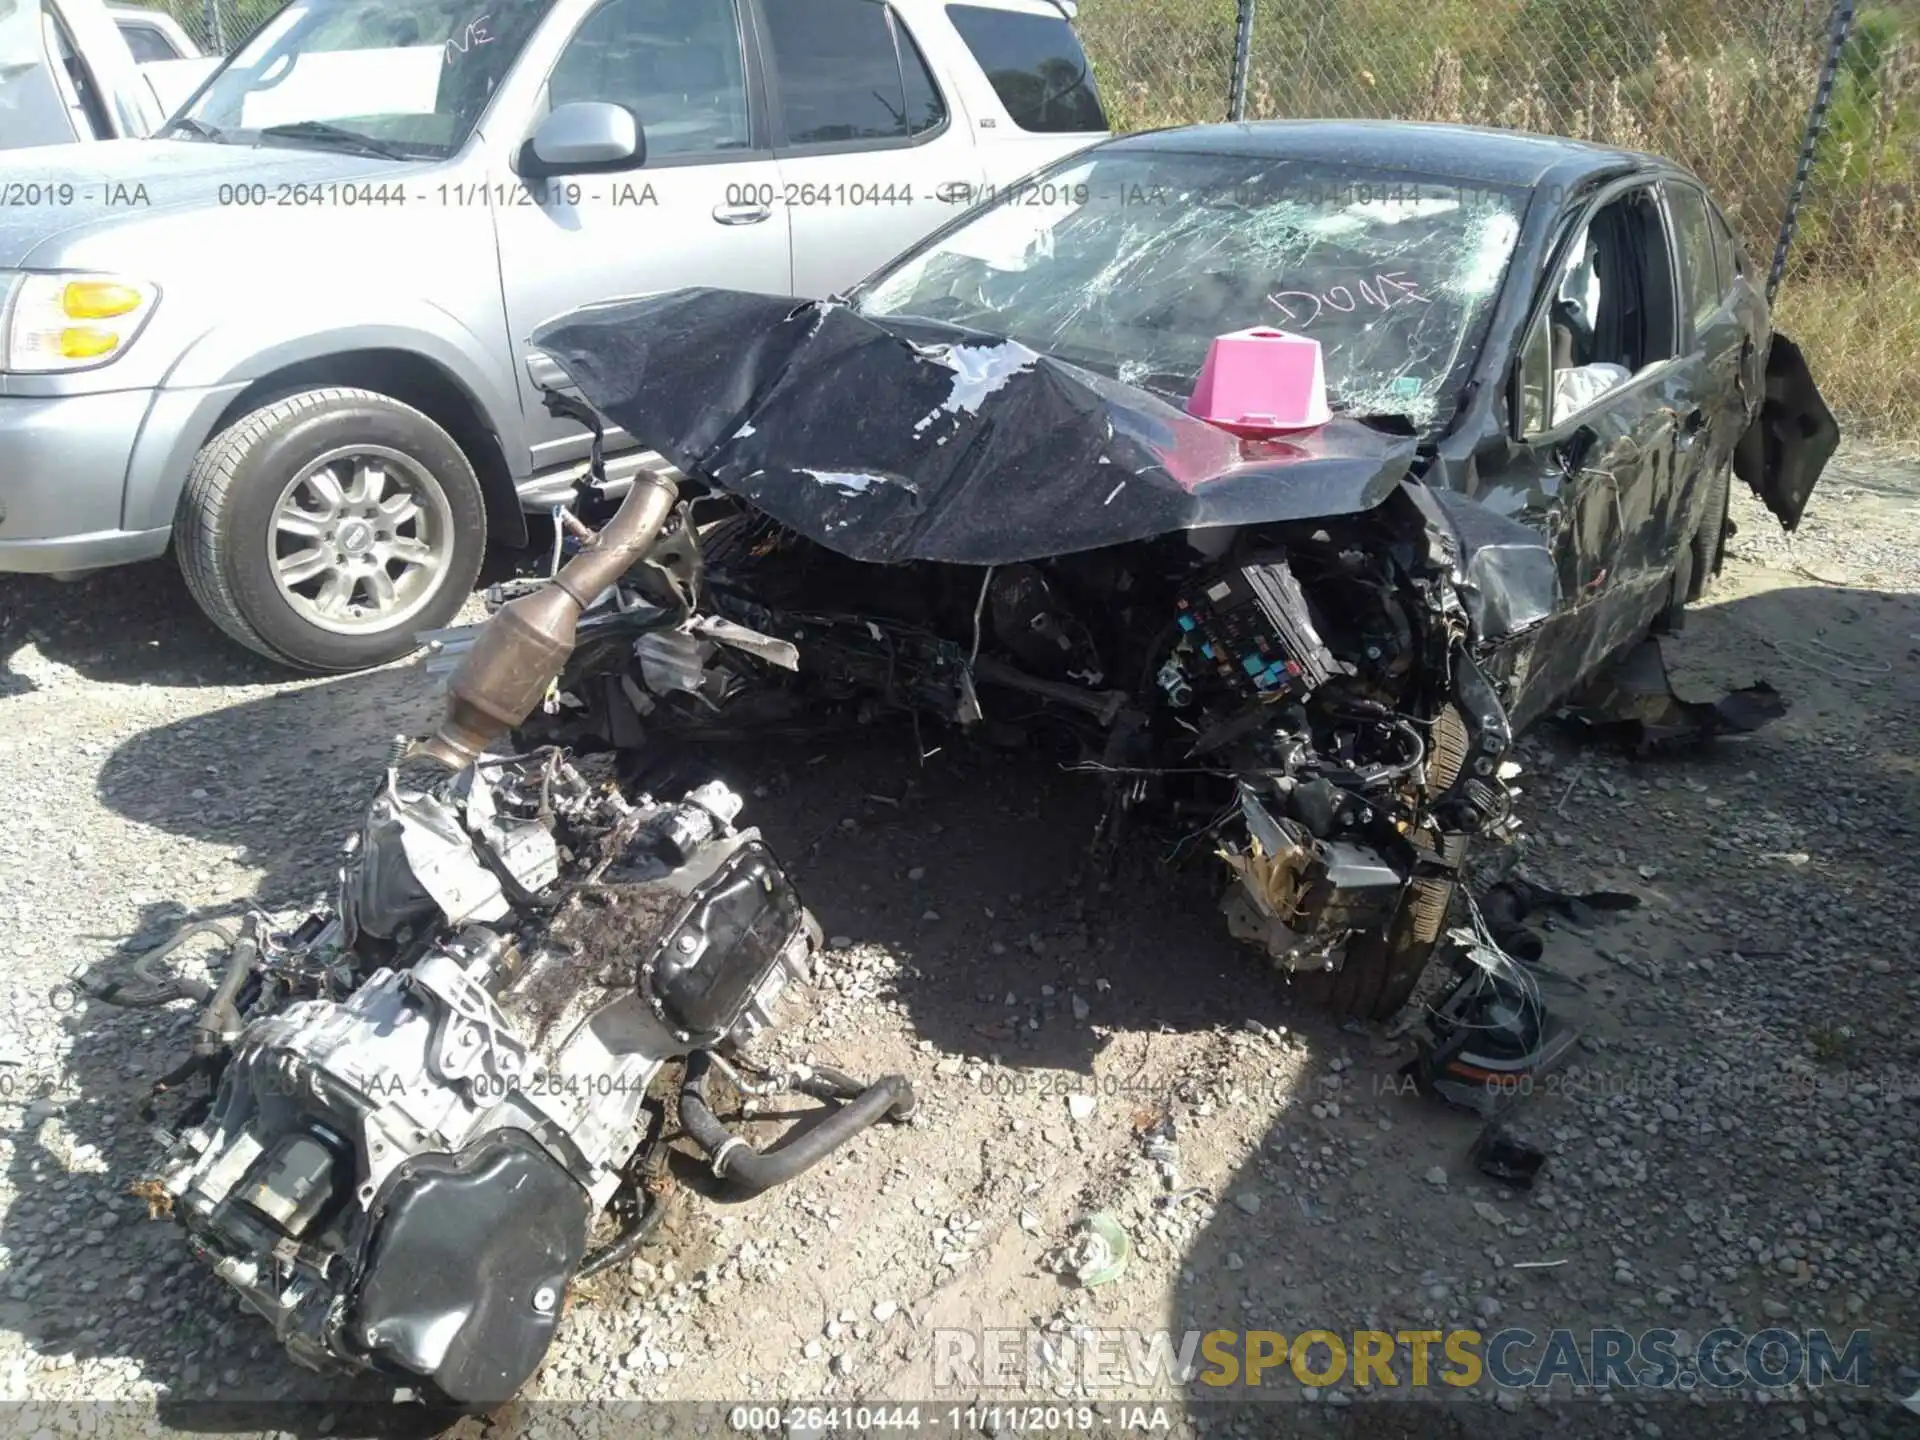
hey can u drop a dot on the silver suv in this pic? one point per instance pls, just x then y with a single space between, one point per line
286 339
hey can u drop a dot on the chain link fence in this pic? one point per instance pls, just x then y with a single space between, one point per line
216 26
1726 87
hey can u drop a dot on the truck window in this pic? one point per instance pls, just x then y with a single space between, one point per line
411 74
147 43
849 72
1036 66
676 64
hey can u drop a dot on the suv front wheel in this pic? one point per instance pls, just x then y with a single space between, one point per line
327 529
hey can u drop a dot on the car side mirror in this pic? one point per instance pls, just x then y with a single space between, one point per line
583 136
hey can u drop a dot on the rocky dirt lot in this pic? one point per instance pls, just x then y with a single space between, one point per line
1734 1142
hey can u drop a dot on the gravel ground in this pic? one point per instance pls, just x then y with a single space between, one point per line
1733 1144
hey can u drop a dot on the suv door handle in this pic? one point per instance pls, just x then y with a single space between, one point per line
741 214
954 192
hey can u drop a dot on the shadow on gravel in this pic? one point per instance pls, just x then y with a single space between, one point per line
1022 954
279 782
974 869
130 626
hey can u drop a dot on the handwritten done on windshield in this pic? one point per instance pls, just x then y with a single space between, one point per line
1382 293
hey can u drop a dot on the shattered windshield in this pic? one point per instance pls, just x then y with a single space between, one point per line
1131 262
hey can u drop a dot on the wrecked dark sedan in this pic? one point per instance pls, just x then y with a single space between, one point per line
1276 476
975 488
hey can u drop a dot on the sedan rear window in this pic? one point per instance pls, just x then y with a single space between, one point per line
1036 66
1131 262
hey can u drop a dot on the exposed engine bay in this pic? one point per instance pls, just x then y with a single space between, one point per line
419 1104
1304 695
1284 650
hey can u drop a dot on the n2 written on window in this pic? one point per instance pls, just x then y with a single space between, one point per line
478 32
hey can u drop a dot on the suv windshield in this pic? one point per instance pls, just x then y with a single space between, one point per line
1131 262
406 77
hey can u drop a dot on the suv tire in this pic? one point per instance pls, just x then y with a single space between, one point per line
326 529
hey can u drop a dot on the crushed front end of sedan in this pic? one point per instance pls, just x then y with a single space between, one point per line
1276 634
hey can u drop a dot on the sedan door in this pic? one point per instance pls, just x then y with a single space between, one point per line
874 154
1600 403
1716 373
700 210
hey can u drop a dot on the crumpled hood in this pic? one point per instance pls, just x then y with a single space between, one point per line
121 183
892 440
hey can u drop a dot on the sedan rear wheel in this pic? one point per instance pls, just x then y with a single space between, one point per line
1710 540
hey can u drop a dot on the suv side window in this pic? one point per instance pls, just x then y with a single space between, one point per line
848 72
678 65
1036 66
1699 269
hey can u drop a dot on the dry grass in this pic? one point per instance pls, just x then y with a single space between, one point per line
1863 339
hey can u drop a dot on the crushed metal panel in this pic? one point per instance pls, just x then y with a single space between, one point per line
895 441
1508 578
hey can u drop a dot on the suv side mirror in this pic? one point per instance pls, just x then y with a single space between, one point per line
585 135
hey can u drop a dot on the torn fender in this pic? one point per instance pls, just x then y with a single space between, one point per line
1507 577
921 441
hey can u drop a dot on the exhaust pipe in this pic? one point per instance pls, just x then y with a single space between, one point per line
521 650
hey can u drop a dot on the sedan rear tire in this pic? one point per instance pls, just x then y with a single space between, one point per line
326 529
1710 540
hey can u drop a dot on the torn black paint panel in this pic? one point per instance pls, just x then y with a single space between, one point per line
1791 440
914 440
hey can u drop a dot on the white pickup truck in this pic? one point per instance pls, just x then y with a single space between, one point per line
286 337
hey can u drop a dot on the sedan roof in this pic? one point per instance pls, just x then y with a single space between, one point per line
1464 152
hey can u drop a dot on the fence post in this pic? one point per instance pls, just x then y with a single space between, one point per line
1242 61
1839 26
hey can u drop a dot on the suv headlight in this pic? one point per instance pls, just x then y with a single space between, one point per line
73 322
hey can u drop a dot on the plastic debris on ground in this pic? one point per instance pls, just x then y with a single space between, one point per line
1097 1254
1634 704
1501 1155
